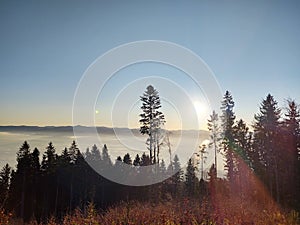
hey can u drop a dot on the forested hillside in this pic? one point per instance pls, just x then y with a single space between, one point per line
262 184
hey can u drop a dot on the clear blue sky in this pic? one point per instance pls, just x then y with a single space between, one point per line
45 46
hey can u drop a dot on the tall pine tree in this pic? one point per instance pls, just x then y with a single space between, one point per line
214 136
4 184
151 121
228 118
291 147
267 143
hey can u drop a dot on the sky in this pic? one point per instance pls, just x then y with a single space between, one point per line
252 48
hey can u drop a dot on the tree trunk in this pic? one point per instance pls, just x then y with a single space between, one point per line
23 197
215 144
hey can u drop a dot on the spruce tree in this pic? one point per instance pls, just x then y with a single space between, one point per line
145 160
228 118
291 146
243 151
73 149
127 159
267 144
105 157
4 184
137 160
151 121
242 141
96 155
49 158
162 169
94 159
177 177
23 185
23 179
191 179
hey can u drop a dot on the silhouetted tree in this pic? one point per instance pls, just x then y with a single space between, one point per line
36 183
88 155
242 146
72 152
49 180
191 179
105 156
22 173
242 141
4 184
127 159
177 176
65 156
151 121
228 118
96 156
23 185
291 146
137 160
49 158
128 170
93 158
145 160
267 144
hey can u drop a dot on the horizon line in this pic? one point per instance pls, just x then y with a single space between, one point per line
57 126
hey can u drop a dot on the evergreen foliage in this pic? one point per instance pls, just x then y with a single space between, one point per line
151 121
262 168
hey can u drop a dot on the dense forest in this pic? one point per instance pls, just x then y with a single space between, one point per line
262 185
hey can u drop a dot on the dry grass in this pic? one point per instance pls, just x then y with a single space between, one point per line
173 213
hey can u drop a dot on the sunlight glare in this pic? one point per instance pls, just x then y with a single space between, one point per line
200 108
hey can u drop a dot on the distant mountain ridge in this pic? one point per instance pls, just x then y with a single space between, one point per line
84 129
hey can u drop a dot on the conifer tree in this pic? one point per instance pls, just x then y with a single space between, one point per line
127 159
137 160
105 157
267 144
242 141
49 158
4 184
35 181
96 155
24 181
151 121
22 175
177 177
145 160
94 158
291 146
243 151
88 155
73 152
191 179
228 118
214 137
118 160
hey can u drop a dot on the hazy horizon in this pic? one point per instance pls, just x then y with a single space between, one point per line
118 145
60 126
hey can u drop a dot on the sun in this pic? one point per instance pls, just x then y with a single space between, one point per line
200 107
